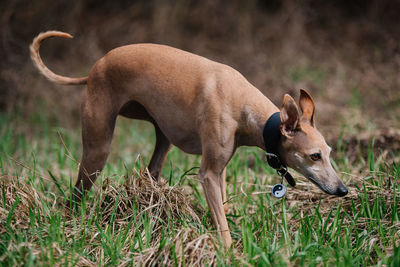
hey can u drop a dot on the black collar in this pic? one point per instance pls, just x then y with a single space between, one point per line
272 136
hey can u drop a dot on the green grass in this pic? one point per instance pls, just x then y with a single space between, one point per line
38 160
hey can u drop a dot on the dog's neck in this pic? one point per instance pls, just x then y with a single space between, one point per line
255 113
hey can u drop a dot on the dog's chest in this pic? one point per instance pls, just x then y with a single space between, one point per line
189 142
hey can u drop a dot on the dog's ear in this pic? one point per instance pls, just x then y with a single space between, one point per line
307 107
290 116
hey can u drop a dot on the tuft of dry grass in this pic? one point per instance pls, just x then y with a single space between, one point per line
160 202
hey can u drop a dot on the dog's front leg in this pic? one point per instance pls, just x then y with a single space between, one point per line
212 173
212 188
223 190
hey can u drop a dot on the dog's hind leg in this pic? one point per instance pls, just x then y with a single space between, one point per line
134 110
160 153
98 121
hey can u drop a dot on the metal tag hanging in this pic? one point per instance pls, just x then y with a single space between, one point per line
278 190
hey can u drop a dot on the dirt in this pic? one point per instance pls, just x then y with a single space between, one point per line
384 143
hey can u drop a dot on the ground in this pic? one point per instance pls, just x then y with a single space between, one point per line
127 219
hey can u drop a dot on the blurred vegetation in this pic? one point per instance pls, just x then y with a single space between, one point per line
329 47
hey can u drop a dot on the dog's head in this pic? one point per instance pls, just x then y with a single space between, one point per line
303 148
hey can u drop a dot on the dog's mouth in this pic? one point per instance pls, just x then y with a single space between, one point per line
320 186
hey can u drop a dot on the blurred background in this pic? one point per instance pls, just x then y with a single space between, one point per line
346 53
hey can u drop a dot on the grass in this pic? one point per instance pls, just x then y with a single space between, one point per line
128 220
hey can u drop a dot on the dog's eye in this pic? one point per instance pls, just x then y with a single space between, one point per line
315 156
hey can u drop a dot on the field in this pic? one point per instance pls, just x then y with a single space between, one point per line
128 220
345 53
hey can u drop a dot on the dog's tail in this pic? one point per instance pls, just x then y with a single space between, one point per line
51 76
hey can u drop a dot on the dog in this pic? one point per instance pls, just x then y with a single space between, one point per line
200 106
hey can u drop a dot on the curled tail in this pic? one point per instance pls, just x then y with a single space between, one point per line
51 76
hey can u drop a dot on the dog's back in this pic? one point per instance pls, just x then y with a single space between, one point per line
178 89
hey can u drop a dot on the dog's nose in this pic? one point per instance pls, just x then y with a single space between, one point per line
341 191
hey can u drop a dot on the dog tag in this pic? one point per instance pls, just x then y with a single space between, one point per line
278 190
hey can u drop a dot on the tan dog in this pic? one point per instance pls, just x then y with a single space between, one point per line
196 104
